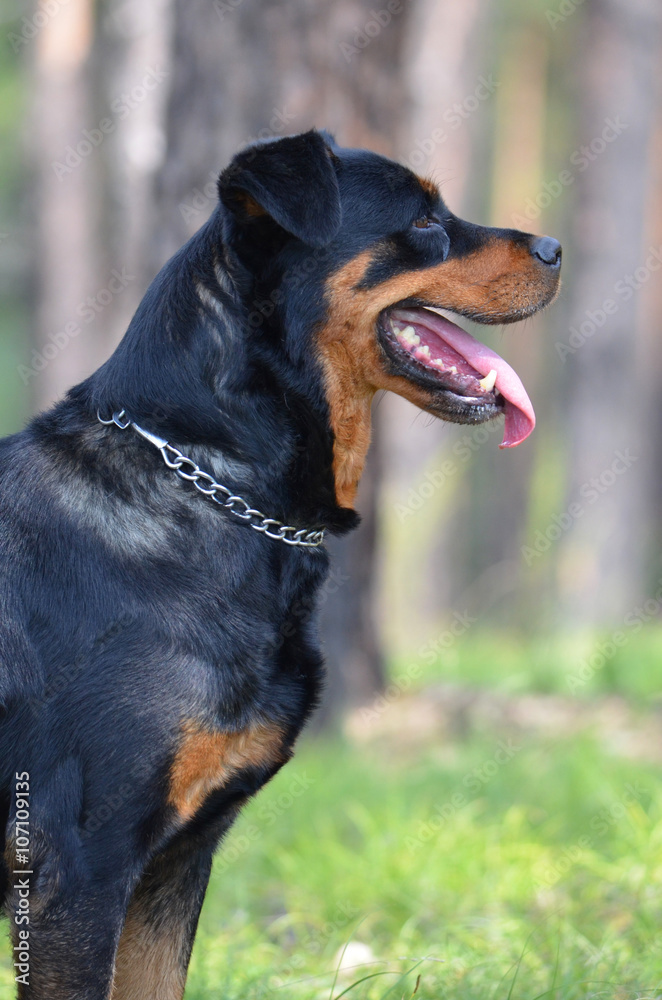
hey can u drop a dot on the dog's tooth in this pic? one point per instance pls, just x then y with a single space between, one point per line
489 381
453 370
438 363
411 337
425 351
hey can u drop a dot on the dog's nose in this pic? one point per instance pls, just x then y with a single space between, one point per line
547 249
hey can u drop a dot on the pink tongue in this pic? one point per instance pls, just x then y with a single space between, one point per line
520 418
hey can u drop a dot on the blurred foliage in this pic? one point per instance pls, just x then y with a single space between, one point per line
582 665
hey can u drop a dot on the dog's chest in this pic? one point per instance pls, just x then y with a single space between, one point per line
206 761
277 679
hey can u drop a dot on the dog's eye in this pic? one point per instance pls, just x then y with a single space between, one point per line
435 244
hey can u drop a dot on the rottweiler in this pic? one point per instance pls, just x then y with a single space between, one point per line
163 526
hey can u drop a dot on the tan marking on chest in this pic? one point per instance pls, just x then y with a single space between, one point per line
206 760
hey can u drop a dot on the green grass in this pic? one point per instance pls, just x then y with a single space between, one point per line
541 878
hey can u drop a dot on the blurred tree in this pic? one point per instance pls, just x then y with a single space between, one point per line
433 526
492 519
65 204
133 78
605 560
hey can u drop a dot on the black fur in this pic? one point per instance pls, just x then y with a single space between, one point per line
129 602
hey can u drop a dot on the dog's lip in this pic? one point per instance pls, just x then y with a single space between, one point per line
474 360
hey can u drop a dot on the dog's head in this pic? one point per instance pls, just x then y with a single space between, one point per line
355 261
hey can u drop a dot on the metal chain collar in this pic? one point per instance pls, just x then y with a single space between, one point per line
203 482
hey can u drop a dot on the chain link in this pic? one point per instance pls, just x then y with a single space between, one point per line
187 469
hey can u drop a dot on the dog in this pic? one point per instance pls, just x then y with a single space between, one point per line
162 536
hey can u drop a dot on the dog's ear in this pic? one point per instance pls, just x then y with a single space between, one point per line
292 180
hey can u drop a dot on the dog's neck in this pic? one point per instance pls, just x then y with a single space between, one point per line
187 371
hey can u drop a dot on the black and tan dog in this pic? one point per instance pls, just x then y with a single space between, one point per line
162 536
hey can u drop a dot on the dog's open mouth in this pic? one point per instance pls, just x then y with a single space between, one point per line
445 357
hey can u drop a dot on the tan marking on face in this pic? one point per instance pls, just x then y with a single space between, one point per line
151 959
428 186
206 760
251 207
493 283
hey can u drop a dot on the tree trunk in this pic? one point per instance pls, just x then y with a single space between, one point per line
604 565
424 510
133 59
66 344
